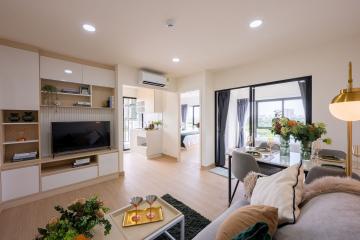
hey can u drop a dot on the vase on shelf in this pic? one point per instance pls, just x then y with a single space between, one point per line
28 117
14 117
305 150
284 147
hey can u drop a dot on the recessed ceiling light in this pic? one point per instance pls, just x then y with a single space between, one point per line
67 71
256 23
89 28
176 59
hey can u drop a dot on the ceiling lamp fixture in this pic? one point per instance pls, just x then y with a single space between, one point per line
176 59
256 23
345 106
67 71
89 28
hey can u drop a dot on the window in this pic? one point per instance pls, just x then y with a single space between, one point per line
196 115
266 110
289 98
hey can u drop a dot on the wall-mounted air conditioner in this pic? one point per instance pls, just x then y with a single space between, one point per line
153 79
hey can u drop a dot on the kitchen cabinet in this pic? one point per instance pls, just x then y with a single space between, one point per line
19 79
56 69
98 76
158 101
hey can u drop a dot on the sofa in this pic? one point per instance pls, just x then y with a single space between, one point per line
331 216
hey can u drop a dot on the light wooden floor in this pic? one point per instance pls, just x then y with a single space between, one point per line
203 191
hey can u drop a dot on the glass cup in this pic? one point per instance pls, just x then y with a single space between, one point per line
356 153
136 201
270 143
316 146
150 199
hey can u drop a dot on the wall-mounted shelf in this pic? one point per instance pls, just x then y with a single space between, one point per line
20 142
69 94
53 106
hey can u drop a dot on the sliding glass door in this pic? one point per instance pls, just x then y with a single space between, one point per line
132 119
244 115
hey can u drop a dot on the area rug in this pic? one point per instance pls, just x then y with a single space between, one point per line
194 222
224 172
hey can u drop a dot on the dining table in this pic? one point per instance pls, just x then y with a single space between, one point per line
269 158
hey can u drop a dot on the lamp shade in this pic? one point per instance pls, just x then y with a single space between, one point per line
346 105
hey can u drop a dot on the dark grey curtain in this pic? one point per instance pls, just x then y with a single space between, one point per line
184 108
223 107
302 86
241 111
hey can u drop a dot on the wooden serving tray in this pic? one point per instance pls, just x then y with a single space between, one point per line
128 221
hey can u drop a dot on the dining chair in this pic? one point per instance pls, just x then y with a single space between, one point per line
241 165
331 152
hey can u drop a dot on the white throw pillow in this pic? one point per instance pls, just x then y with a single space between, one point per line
282 190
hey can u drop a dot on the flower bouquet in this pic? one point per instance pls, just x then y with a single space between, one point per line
283 127
308 133
77 221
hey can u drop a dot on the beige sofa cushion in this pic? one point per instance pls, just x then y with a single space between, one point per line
282 190
244 217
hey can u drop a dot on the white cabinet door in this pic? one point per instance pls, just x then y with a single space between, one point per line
19 79
98 76
55 69
19 182
158 101
68 178
108 163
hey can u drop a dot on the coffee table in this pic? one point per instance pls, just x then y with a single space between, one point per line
146 231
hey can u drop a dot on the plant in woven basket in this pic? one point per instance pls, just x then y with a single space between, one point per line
77 221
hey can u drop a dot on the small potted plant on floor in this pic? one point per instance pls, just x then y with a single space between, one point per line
77 221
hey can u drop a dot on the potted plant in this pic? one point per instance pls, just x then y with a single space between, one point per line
283 126
77 221
49 90
306 134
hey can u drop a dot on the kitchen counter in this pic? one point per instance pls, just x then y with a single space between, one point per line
146 142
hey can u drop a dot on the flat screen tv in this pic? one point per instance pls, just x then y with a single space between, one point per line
69 137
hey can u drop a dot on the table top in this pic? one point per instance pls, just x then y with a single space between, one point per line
275 159
118 232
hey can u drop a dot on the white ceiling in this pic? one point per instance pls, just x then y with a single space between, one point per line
209 34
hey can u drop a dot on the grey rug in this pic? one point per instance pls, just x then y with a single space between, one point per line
221 172
194 221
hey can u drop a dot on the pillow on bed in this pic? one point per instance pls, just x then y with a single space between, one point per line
283 190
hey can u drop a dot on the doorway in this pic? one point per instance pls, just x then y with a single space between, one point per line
190 135
132 119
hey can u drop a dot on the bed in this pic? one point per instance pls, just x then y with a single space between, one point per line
190 137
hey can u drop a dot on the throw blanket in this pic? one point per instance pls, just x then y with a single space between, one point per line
329 185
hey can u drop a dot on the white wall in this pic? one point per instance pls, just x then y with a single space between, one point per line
328 66
171 129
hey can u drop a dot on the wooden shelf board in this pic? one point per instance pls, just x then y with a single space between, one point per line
12 165
20 123
65 168
76 155
20 142
69 94
51 106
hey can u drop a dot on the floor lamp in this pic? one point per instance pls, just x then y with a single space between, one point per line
346 107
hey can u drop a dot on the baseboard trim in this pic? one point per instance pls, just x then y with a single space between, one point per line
208 167
50 193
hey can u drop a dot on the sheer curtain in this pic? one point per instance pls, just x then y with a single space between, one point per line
242 105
